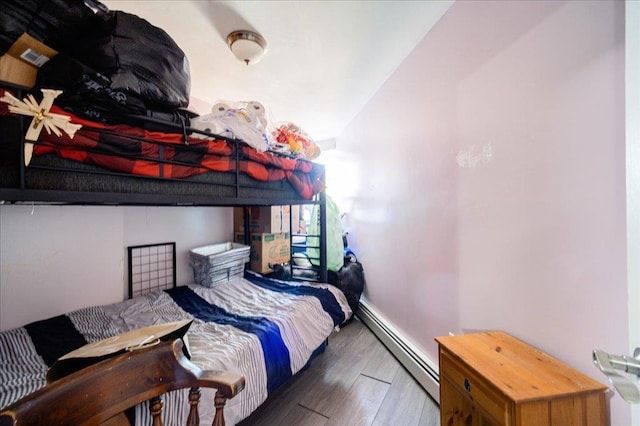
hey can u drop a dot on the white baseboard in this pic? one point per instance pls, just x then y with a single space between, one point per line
417 364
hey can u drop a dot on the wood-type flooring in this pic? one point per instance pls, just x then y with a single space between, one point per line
355 382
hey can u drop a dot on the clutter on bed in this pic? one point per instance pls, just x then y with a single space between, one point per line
138 58
113 69
133 150
291 139
249 121
237 120
89 94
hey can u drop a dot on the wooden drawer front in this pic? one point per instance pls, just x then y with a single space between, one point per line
475 388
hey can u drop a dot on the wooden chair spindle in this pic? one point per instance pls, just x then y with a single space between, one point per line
194 400
155 408
219 401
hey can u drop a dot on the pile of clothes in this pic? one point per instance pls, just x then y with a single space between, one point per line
249 122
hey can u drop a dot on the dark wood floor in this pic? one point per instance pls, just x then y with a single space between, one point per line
356 381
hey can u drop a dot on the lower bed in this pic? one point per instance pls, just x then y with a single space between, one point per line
263 329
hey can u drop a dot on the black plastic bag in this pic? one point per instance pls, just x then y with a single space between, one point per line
88 94
64 25
352 282
137 57
141 59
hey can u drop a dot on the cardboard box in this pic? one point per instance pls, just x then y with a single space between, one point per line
268 220
267 248
21 62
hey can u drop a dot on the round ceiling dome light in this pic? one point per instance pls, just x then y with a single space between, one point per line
248 46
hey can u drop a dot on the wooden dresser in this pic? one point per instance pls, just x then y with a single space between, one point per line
493 378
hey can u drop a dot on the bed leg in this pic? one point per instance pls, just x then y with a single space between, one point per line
220 400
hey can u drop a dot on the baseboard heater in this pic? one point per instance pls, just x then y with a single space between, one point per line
422 369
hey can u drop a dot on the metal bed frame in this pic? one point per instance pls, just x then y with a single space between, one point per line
240 191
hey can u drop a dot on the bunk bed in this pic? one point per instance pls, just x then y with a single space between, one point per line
151 168
160 163
300 315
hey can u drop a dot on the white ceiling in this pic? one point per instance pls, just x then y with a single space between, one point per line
324 61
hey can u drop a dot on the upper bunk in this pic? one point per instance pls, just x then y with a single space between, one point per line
121 164
131 166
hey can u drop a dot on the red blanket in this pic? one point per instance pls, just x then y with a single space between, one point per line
170 155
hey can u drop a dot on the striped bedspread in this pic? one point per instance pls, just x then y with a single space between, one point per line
264 329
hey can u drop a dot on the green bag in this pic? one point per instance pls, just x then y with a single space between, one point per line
335 246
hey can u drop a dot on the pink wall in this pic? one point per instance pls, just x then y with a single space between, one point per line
488 181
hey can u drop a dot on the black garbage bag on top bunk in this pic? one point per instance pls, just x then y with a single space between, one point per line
142 59
64 25
88 94
137 57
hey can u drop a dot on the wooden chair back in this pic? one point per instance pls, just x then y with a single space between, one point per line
101 393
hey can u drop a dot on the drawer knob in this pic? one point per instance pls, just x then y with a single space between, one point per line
467 385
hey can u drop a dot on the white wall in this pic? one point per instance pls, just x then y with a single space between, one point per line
54 259
486 181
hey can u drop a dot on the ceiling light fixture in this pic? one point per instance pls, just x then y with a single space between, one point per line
247 46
